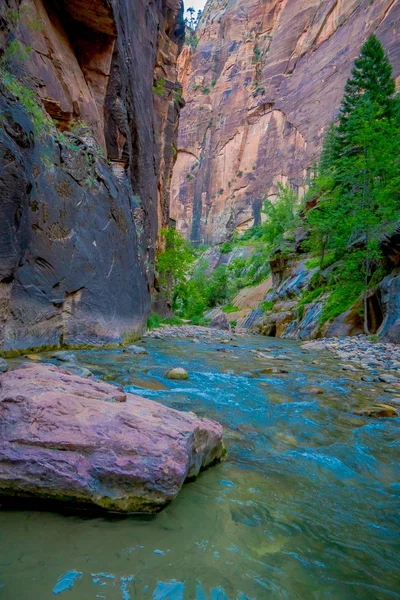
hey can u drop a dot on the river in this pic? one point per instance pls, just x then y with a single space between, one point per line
305 506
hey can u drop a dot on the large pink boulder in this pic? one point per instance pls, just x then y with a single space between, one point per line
86 442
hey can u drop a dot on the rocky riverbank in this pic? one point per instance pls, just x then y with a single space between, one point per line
196 332
382 360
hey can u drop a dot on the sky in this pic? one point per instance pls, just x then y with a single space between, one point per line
197 4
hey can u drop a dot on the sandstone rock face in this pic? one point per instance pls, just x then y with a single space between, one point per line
85 442
78 232
264 82
390 300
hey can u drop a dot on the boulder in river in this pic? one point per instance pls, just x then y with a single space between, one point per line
68 439
220 321
77 370
177 373
132 349
64 356
3 365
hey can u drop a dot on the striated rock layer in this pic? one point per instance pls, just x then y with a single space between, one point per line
82 442
80 211
261 87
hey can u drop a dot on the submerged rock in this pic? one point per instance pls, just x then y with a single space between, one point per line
62 439
177 373
387 378
132 349
77 370
3 365
35 357
381 410
64 356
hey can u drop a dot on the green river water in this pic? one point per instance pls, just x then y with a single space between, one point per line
306 505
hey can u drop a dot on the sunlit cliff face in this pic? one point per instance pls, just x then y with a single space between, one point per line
261 87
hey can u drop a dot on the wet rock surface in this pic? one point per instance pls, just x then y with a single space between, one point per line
88 443
133 349
177 373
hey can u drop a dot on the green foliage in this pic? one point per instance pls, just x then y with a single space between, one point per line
267 306
78 127
13 16
16 52
214 82
230 308
154 321
226 247
174 261
315 261
159 87
342 297
205 90
173 320
41 122
178 96
358 181
192 41
257 267
281 216
310 296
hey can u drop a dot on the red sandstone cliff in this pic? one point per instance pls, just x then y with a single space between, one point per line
78 226
261 87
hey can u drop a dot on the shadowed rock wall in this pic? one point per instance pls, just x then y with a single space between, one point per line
261 87
80 211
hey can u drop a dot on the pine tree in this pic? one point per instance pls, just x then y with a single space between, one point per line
329 151
371 76
359 171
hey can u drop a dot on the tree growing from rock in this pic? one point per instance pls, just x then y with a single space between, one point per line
358 177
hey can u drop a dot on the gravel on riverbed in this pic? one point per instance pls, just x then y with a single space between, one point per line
381 359
192 331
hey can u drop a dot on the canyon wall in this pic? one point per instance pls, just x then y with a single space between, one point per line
261 87
86 156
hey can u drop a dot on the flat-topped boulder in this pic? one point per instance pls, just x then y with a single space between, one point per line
87 443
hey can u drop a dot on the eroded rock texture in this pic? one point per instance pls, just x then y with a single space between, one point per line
83 442
261 87
80 215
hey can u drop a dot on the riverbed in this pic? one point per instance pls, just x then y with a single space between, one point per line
305 506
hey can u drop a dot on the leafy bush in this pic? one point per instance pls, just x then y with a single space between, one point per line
159 87
230 308
342 297
266 306
154 321
192 41
41 122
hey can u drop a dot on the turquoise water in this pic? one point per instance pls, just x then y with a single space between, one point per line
306 506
